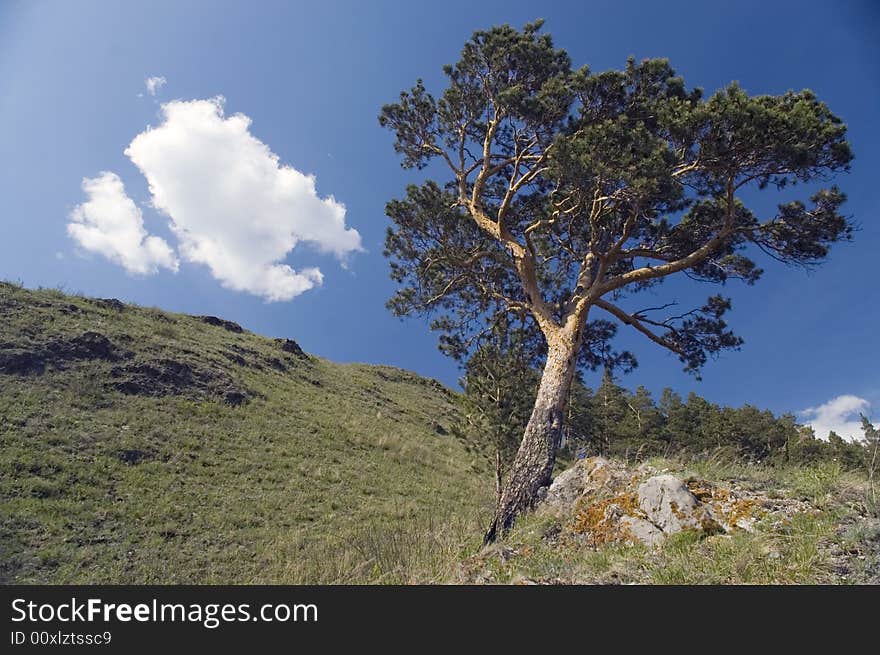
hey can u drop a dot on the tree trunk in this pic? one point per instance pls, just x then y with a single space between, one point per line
536 456
499 475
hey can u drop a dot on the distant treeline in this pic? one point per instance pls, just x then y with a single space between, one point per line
613 421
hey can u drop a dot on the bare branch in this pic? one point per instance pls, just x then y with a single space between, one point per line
637 323
655 309
644 253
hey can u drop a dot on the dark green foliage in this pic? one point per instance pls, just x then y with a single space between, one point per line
499 383
631 425
871 462
872 434
849 457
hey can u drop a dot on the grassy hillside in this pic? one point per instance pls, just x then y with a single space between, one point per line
142 446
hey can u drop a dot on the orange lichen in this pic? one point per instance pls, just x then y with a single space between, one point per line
598 513
721 494
599 519
725 505
745 508
701 489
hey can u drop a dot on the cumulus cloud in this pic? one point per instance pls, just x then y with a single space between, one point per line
154 83
232 205
840 414
110 224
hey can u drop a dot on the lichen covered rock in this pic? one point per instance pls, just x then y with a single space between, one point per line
599 501
585 477
668 504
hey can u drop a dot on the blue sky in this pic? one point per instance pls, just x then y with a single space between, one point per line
311 77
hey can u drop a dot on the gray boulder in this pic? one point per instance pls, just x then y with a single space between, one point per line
586 475
641 530
669 505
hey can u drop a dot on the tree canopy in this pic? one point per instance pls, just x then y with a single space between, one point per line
563 189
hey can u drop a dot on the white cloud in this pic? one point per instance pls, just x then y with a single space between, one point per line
110 224
154 83
840 414
232 205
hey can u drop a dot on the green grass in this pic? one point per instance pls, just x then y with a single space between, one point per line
330 473
790 554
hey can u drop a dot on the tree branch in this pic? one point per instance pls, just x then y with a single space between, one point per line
652 272
628 319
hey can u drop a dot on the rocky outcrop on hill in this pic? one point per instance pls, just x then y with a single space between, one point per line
128 374
229 326
292 347
599 501
19 359
602 521
109 303
166 377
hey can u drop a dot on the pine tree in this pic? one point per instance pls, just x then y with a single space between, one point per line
566 192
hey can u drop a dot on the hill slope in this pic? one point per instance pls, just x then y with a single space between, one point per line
142 446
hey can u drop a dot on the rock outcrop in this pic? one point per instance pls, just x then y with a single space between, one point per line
131 376
230 326
599 501
292 347
669 504
166 377
33 359
109 303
